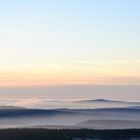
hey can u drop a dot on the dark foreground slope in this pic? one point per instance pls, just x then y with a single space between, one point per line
68 134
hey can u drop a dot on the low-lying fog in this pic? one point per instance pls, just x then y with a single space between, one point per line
40 103
99 114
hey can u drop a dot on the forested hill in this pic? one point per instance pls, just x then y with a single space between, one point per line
68 134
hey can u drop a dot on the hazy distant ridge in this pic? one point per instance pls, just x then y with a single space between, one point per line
85 118
107 101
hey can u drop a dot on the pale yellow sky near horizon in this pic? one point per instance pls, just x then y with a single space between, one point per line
79 72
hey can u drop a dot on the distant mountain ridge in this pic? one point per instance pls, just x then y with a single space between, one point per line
107 101
85 118
17 111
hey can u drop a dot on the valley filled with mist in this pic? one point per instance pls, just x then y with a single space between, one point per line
93 114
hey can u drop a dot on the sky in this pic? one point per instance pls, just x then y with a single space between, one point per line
69 42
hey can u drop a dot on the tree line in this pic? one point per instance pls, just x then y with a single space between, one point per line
67 134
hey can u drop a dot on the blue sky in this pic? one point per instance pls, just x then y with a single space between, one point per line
65 36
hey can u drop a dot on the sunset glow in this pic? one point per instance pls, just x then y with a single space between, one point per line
58 43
